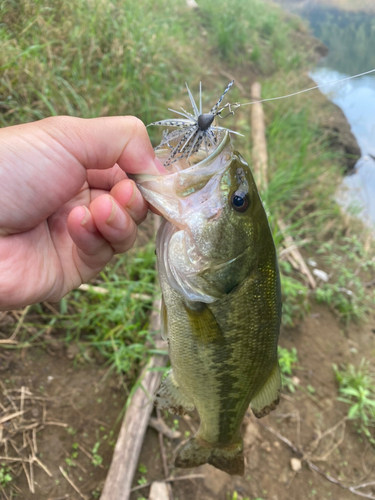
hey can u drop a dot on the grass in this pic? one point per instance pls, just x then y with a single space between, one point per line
5 477
287 362
111 317
357 389
352 265
248 32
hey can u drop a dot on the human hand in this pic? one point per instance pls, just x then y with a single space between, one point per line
66 205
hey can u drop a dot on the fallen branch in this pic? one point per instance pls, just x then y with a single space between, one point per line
128 447
103 291
169 480
65 474
11 339
160 426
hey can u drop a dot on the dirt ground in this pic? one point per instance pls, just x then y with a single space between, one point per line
74 410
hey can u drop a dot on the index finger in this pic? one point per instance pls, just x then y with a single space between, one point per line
99 143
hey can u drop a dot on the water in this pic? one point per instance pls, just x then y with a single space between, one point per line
350 38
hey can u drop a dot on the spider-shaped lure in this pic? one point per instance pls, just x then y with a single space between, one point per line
194 130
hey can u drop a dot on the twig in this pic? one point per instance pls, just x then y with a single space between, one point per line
11 416
27 475
11 340
296 254
315 468
164 456
160 426
169 480
72 484
31 473
22 401
102 291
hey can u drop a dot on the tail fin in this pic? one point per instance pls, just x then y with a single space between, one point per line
198 452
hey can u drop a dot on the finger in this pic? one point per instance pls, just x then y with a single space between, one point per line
99 143
92 250
113 223
105 179
128 196
52 157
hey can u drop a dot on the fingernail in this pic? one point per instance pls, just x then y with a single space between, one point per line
87 221
86 217
134 194
117 218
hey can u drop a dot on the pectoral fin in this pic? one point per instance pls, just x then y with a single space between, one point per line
268 397
203 322
170 397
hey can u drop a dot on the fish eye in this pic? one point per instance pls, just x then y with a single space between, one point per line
240 202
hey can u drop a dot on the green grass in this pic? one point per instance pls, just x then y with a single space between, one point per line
93 57
5 477
352 266
115 324
288 360
249 33
357 389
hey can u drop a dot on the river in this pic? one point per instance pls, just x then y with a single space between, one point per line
350 38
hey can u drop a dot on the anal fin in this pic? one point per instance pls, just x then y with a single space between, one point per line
170 397
268 397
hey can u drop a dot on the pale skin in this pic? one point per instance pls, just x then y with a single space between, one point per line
66 204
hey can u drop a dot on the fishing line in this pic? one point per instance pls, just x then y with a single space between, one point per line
306 90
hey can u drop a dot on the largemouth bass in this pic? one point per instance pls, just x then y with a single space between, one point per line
221 301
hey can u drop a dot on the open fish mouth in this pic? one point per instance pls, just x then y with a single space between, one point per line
191 187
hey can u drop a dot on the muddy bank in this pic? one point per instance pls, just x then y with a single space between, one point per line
339 134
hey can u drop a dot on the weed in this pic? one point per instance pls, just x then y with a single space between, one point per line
5 477
239 28
349 262
142 469
295 297
287 361
357 388
142 480
96 458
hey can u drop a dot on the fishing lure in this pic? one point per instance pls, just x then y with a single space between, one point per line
194 131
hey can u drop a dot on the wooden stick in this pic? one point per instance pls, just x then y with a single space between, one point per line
260 161
258 131
296 254
129 443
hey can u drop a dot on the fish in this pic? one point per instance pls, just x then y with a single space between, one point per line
221 300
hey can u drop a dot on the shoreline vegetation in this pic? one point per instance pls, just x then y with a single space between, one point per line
97 57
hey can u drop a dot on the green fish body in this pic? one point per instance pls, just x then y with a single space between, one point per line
221 302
